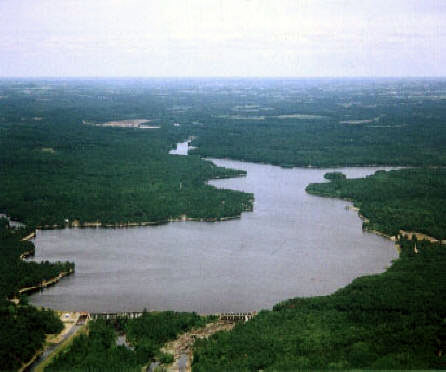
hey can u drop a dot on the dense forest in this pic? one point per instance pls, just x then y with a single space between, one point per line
57 165
52 173
145 335
406 199
22 327
326 123
55 168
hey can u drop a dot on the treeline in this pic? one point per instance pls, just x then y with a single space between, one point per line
146 335
394 320
406 199
22 327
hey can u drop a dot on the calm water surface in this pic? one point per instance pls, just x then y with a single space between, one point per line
292 244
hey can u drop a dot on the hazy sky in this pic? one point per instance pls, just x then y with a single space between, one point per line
222 38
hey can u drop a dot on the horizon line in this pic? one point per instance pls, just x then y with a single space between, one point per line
224 77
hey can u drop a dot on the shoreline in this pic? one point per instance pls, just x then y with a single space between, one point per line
45 283
181 218
410 234
309 166
98 224
77 225
29 236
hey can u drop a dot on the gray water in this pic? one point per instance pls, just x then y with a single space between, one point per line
292 244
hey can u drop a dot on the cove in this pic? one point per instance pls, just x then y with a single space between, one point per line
292 244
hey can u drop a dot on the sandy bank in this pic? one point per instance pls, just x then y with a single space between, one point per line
30 236
97 224
46 283
420 236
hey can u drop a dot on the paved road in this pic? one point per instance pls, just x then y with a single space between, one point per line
49 350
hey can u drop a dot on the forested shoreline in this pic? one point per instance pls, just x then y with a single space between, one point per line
58 171
406 199
22 327
114 176
394 320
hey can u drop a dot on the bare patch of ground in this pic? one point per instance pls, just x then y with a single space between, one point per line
241 117
69 320
129 123
387 126
356 122
359 122
301 117
420 236
48 149
182 347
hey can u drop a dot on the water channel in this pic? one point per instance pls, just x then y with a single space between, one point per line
292 244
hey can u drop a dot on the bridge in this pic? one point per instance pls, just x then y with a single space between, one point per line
112 316
237 317
226 317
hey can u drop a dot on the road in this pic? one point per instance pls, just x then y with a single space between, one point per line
49 350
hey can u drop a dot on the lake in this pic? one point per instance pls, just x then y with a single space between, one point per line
292 244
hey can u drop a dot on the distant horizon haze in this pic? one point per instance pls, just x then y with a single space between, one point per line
216 38
98 77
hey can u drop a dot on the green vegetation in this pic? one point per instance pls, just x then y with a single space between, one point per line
146 335
54 168
406 199
95 351
335 176
16 273
394 320
22 332
327 123
41 365
22 327
111 175
324 143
